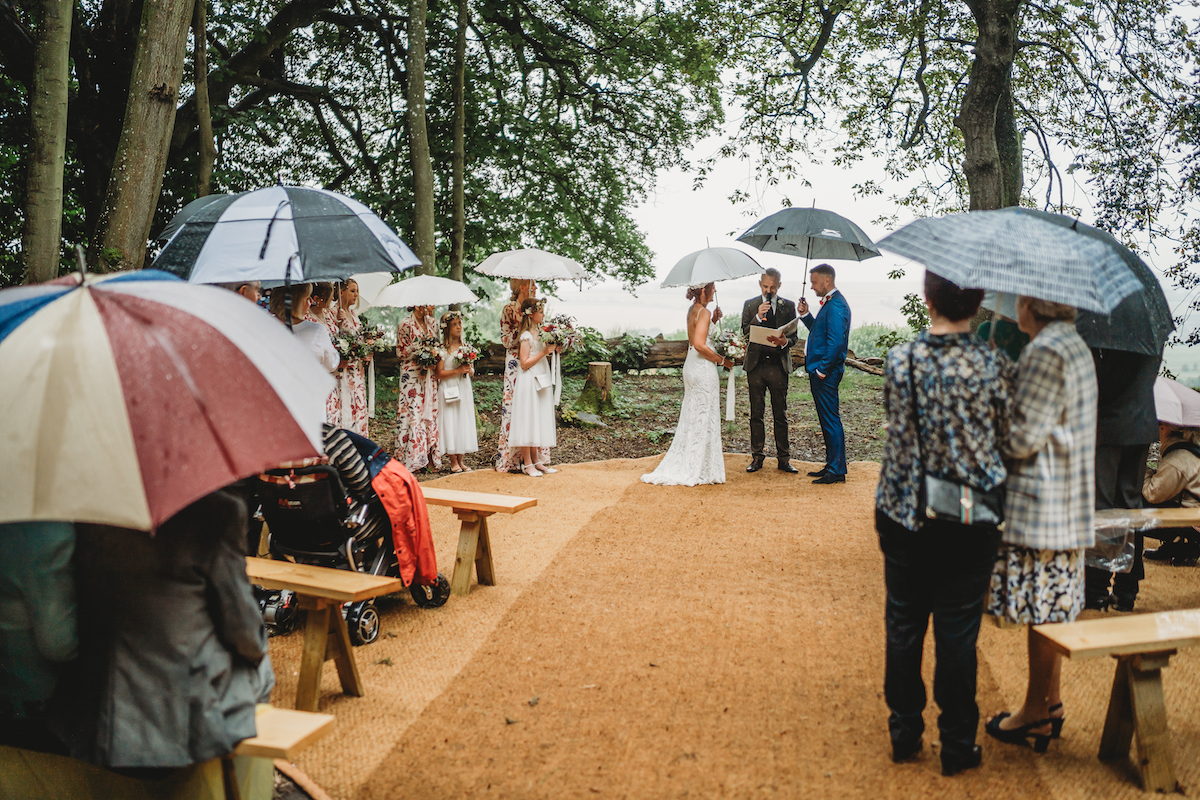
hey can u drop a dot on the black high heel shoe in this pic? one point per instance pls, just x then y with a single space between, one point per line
1056 723
1021 735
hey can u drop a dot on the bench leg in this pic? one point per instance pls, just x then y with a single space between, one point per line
316 638
468 540
1150 721
342 653
483 555
1137 706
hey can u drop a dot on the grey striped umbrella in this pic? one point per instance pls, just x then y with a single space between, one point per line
1007 251
256 235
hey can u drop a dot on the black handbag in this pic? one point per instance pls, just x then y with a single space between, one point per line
940 498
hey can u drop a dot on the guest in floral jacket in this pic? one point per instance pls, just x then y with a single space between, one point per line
946 396
1049 512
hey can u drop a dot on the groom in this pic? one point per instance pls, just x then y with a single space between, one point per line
767 368
825 361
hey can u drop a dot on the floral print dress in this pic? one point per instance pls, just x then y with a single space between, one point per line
352 384
510 323
333 403
417 411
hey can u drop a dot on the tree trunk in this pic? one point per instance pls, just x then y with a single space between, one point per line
418 142
984 109
42 237
597 393
208 148
458 164
137 173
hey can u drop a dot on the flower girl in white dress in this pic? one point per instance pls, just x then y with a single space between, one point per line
532 424
456 403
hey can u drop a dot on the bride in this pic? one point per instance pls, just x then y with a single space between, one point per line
695 456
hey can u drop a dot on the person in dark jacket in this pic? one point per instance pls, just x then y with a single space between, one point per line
1126 425
37 627
172 648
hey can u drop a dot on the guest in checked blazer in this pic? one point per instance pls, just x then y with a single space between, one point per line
1049 510
767 369
825 362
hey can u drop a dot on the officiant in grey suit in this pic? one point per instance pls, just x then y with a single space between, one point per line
767 369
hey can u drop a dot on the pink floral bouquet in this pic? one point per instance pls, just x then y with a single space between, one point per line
377 338
467 354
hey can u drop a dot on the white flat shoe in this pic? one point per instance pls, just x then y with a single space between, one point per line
546 468
534 473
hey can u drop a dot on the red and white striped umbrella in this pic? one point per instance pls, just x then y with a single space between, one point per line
129 397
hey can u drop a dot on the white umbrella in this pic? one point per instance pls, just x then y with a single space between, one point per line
711 264
425 290
1176 404
531 264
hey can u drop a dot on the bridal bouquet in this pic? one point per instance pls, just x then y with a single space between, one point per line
426 352
730 344
560 330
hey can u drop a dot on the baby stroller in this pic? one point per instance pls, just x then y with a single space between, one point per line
312 520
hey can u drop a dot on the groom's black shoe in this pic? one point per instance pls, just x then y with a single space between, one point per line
756 463
829 477
786 466
819 473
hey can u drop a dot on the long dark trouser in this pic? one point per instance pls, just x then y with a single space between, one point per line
825 398
768 376
1120 471
942 570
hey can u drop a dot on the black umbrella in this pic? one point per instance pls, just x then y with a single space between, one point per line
810 233
1142 321
279 234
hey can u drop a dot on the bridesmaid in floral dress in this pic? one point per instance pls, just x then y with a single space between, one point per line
319 311
510 324
417 412
352 381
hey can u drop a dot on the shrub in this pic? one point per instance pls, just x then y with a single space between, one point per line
592 348
631 352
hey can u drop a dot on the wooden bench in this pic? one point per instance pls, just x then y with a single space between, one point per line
1143 645
474 545
321 592
283 733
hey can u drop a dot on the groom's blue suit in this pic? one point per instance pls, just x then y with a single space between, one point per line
828 341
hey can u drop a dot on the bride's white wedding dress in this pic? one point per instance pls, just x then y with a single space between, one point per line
695 456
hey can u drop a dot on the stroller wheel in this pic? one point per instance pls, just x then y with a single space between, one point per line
280 611
431 596
362 619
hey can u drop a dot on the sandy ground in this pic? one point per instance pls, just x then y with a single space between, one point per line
719 641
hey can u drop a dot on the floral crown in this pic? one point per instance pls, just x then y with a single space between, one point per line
534 308
449 317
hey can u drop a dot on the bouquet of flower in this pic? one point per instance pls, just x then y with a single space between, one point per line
560 330
378 338
350 345
467 353
730 344
426 352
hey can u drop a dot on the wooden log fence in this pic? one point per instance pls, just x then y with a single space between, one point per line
663 354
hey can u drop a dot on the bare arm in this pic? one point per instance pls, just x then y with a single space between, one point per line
527 360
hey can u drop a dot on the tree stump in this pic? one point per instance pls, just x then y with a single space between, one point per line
597 394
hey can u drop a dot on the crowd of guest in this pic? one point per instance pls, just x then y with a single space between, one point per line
1049 431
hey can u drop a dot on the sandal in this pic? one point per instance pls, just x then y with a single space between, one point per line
532 471
457 469
1021 734
546 468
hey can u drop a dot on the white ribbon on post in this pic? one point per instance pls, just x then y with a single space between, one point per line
729 397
